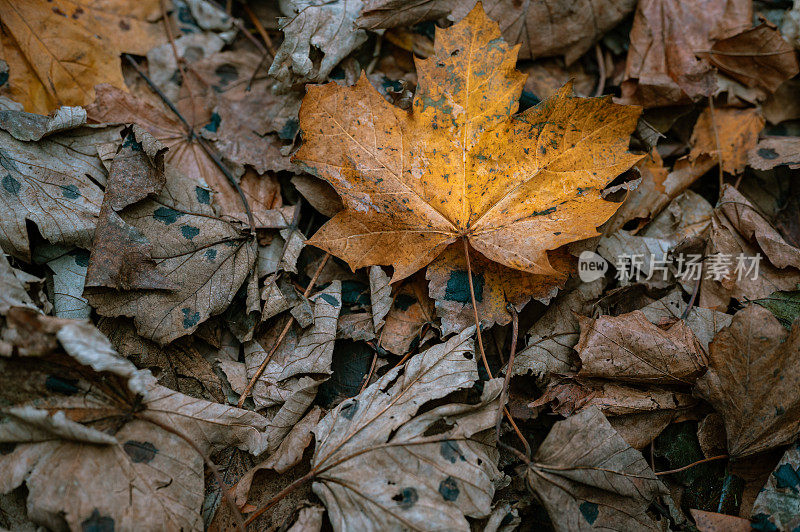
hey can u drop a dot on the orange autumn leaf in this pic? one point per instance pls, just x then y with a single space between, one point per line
461 164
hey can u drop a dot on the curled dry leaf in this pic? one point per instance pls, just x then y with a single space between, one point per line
752 380
382 465
637 414
411 313
778 504
55 59
302 353
52 182
662 66
589 478
714 522
206 258
81 409
737 228
460 165
12 291
319 194
737 131
328 26
554 335
630 348
542 29
757 57
496 286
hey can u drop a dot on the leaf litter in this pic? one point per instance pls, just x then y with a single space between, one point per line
302 265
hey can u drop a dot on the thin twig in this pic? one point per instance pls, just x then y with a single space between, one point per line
684 468
260 29
190 132
480 345
237 515
368 376
601 67
279 496
504 392
716 140
279 341
376 53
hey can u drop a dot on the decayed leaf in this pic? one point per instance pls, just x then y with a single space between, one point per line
495 286
758 57
251 120
738 228
553 336
12 292
328 26
778 504
87 411
589 478
184 154
737 131
662 67
775 151
705 323
302 353
53 59
784 305
381 466
410 314
460 165
542 29
380 297
52 182
752 380
206 258
630 348
637 414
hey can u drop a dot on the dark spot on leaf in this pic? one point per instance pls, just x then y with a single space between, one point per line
786 477
7 448
458 287
81 257
123 25
213 124
404 301
348 410
448 488
542 149
211 254
11 185
3 77
70 192
767 153
190 319
329 299
289 129
141 452
542 213
761 522
189 231
451 452
407 498
226 74
203 195
57 384
166 215
589 511
97 523
130 142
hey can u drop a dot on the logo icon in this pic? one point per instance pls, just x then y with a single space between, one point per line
591 266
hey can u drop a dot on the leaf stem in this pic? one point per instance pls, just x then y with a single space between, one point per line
684 468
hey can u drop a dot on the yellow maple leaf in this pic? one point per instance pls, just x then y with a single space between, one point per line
461 164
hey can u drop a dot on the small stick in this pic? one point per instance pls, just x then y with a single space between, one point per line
480 345
260 29
684 468
280 339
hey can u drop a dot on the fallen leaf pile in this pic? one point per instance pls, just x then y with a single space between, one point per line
399 265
